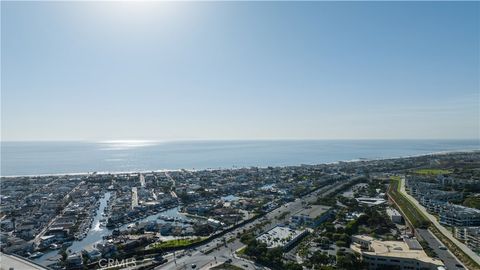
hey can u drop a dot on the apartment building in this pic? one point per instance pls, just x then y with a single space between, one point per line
459 216
469 235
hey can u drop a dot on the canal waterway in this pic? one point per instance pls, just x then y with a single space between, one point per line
97 232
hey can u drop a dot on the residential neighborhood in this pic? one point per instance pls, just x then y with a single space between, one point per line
310 216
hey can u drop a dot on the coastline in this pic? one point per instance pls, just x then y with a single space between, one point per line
447 152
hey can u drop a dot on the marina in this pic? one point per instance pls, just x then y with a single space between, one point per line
98 231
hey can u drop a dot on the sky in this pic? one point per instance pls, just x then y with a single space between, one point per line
239 70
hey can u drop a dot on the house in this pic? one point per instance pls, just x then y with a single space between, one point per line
75 261
92 254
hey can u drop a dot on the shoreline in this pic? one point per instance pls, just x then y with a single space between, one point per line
447 152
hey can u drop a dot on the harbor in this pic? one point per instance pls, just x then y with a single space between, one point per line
98 231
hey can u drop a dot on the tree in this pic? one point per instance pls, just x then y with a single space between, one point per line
318 258
247 238
64 254
292 266
348 261
341 243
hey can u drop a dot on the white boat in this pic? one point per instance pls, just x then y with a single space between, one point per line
36 255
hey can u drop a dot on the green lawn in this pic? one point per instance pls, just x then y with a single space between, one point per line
417 219
432 171
241 252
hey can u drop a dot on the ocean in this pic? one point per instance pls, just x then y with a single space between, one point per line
38 158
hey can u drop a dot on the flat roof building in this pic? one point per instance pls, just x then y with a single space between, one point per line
394 215
404 255
13 262
370 201
312 216
283 237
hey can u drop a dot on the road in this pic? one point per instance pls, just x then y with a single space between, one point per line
134 197
36 240
225 250
434 221
174 195
446 256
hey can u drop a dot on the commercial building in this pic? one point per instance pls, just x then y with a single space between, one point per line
13 262
312 216
404 255
394 215
283 237
371 201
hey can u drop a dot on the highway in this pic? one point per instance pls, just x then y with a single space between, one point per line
225 251
434 221
445 255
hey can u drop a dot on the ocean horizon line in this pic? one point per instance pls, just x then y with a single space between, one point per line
241 167
239 140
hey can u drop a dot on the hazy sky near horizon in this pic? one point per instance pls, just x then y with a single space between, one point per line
239 70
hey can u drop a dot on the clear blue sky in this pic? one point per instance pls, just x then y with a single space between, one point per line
220 70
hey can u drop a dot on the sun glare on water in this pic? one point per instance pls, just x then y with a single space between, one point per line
126 144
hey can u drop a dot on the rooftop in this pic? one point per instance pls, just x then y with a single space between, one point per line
279 236
314 211
392 211
396 249
462 210
15 262
371 201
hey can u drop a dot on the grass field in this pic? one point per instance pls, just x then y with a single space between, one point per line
415 217
432 171
241 252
